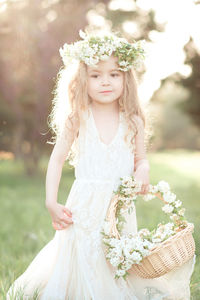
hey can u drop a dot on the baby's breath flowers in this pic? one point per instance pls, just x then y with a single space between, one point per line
124 250
96 47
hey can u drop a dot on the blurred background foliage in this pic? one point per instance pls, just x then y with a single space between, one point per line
31 32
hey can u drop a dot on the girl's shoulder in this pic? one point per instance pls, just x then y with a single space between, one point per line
138 119
139 123
72 124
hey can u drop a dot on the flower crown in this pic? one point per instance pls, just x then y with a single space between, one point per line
97 47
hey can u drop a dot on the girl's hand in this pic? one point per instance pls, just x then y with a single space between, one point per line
61 216
142 174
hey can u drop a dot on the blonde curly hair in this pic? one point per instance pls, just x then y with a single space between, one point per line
71 100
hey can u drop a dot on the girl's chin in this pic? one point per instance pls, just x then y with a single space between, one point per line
105 101
107 98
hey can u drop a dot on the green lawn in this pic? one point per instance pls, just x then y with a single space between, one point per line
26 224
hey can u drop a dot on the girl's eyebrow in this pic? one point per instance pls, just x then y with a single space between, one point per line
114 70
95 70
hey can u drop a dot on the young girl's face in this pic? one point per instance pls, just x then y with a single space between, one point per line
105 81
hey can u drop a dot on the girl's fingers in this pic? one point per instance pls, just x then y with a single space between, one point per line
144 189
66 221
65 225
67 211
62 224
57 226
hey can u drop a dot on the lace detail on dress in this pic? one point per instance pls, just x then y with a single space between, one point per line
153 293
87 222
85 219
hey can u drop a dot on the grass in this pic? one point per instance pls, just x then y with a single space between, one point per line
26 224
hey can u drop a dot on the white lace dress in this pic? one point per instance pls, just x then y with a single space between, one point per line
72 266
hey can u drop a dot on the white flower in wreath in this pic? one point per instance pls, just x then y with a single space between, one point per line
145 252
127 181
104 57
129 244
148 244
169 197
144 232
138 187
153 189
123 63
181 212
116 260
128 201
120 273
163 186
113 242
128 253
169 225
173 217
127 191
125 241
122 198
136 257
127 264
148 197
167 208
139 246
178 203
91 61
95 47
123 210
119 249
116 252
156 240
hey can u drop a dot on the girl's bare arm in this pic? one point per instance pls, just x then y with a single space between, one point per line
60 151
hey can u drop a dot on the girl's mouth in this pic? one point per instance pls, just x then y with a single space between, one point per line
105 92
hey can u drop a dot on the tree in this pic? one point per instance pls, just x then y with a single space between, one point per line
31 34
192 83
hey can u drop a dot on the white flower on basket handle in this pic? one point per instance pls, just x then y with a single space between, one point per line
125 250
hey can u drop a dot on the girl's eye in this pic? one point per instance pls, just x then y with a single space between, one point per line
94 76
114 74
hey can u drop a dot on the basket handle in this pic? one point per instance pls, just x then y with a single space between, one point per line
111 217
112 211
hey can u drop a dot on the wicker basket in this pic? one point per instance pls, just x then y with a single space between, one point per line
164 257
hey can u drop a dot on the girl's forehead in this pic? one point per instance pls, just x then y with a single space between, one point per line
110 64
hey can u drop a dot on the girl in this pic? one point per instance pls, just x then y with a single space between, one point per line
99 126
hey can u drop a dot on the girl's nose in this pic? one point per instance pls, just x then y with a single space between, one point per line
105 80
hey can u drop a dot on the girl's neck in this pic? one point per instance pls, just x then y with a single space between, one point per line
105 107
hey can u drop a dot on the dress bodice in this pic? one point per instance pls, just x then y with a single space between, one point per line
97 160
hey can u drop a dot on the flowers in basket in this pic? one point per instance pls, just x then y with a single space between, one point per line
125 250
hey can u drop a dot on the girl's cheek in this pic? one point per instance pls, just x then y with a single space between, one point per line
119 83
